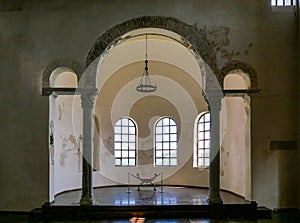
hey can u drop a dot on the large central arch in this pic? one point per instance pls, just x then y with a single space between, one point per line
196 42
192 37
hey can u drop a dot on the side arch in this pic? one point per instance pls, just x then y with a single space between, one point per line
246 68
71 64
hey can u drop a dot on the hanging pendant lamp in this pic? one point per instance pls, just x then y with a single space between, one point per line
145 85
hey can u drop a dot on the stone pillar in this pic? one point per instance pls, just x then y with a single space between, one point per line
214 100
87 102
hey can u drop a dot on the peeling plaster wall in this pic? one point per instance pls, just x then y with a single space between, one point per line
235 148
40 32
67 143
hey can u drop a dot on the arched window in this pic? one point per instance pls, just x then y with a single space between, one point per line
203 141
125 142
165 142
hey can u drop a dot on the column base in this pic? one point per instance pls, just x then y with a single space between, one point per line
215 200
87 201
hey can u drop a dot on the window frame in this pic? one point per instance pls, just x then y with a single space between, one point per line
164 143
203 141
123 143
276 3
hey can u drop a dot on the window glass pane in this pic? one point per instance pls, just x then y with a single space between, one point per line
131 138
280 2
206 153
125 122
117 145
131 123
207 135
201 144
166 121
124 162
158 153
132 154
166 162
166 137
166 153
173 137
158 138
173 129
131 130
173 145
158 162
200 135
166 145
174 153
117 162
131 146
158 146
207 144
124 146
201 162
117 129
207 126
273 2
200 153
125 130
207 117
200 126
117 137
117 153
159 123
124 138
206 162
173 162
172 122
131 162
125 154
166 129
158 130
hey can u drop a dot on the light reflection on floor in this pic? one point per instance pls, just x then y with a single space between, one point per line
120 196
148 197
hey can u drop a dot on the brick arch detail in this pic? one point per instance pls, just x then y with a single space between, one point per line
196 38
234 65
73 65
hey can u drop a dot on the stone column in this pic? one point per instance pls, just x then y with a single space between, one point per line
214 100
87 102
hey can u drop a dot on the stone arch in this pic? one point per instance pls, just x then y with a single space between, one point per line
71 64
192 37
235 64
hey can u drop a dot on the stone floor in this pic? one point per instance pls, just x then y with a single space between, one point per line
168 195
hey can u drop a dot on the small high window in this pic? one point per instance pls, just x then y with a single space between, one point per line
283 2
165 142
125 142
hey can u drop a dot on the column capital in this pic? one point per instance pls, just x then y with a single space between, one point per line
88 97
